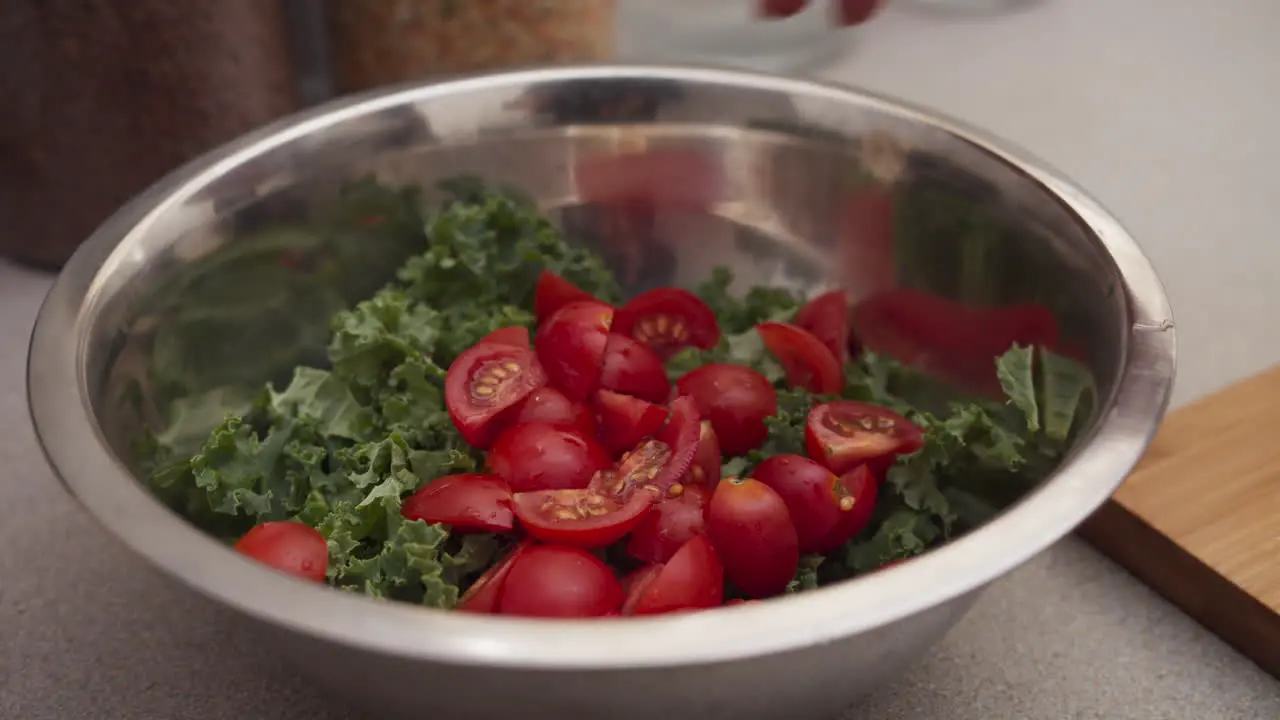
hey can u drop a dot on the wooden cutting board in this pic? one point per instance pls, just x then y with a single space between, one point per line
1199 518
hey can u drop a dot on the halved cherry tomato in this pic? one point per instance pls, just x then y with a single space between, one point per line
808 362
736 399
751 529
825 509
516 335
539 456
581 518
465 502
827 318
705 469
846 433
486 591
289 547
631 368
692 579
571 347
668 525
549 405
781 8
557 581
668 319
626 420
484 381
862 485
554 292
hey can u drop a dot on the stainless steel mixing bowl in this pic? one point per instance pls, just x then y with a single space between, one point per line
789 151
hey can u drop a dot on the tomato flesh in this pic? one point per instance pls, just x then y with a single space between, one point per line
668 319
549 405
735 399
826 317
635 470
571 345
540 456
631 368
846 433
809 363
705 469
681 433
692 579
864 487
516 336
558 581
751 529
483 382
289 547
581 518
668 525
826 509
486 591
554 292
626 420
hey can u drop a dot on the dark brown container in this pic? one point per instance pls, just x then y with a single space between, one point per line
100 98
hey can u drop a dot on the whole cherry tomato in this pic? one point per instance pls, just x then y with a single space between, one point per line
539 456
557 581
735 399
751 529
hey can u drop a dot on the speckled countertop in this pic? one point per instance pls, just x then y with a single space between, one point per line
1165 109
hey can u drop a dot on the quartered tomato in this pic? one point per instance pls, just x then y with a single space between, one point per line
554 292
705 469
825 509
668 319
464 502
751 529
735 399
558 581
826 317
692 579
571 347
484 593
484 381
549 405
808 362
636 469
626 420
582 518
846 433
539 456
515 335
289 547
668 525
631 368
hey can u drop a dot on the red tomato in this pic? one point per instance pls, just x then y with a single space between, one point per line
464 502
782 8
736 399
571 346
631 368
668 525
846 433
484 381
516 335
682 434
635 469
635 580
827 318
751 529
582 518
289 547
486 591
826 509
557 581
856 12
554 292
549 405
626 420
692 579
863 486
539 456
705 469
668 319
808 362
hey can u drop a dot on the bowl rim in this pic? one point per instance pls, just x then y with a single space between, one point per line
77 451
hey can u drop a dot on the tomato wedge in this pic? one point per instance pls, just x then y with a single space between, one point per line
634 469
631 368
539 456
571 347
808 362
826 509
581 518
705 469
486 591
681 433
668 319
516 335
289 547
692 579
484 381
751 529
465 502
557 581
554 292
735 399
626 420
668 525
826 317
846 433
549 405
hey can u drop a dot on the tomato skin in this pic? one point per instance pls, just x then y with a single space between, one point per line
486 591
516 336
554 292
826 317
556 581
601 519
549 405
751 529
693 579
735 399
539 456
477 397
705 470
668 319
465 502
289 547
631 368
668 525
809 363
825 509
864 487
626 420
571 345
846 433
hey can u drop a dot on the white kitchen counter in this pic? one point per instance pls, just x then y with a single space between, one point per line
1165 109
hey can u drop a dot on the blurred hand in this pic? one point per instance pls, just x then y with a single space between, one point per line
848 12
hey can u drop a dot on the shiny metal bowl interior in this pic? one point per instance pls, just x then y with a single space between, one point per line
789 150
